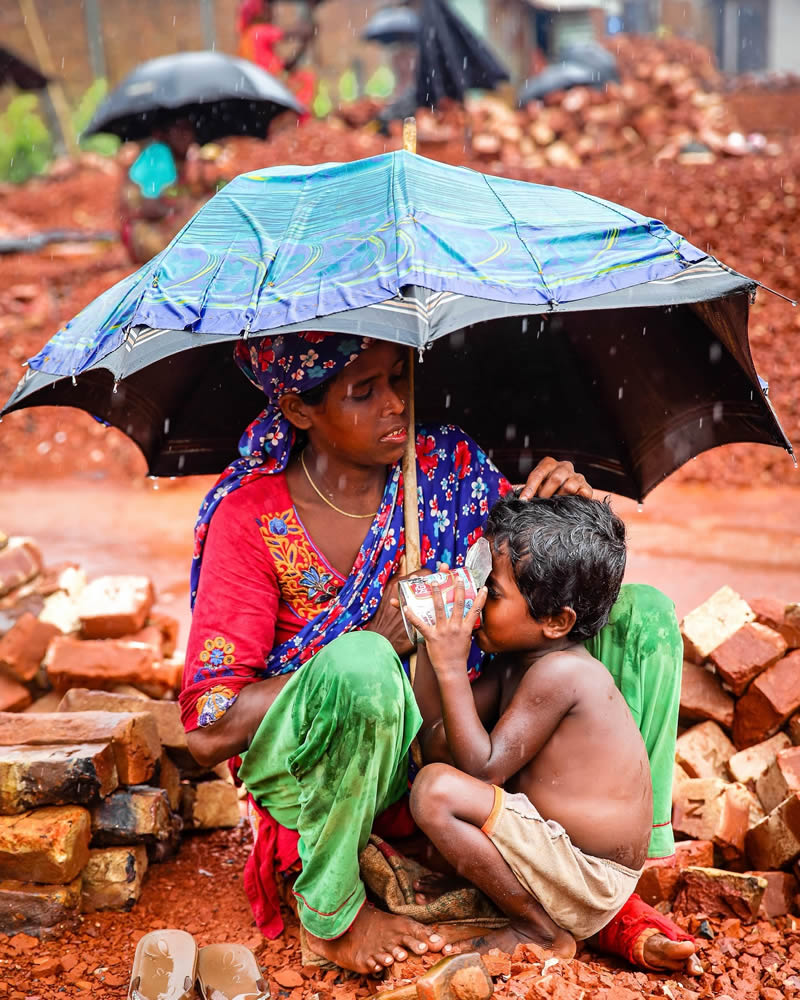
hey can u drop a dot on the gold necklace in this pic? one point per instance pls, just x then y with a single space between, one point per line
322 495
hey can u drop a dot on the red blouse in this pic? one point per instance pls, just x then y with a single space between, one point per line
263 579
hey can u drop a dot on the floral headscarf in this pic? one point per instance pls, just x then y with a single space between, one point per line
279 365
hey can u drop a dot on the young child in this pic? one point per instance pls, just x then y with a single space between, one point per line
543 798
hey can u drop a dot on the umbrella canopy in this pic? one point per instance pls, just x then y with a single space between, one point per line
22 74
452 59
560 76
220 94
595 56
558 323
392 26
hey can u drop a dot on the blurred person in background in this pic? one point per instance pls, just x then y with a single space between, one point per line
260 40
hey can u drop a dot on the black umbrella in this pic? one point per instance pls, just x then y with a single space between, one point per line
22 74
595 385
392 26
220 94
452 59
560 76
594 56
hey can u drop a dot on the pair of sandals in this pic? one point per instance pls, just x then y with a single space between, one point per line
168 965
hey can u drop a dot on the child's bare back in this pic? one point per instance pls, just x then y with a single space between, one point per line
592 774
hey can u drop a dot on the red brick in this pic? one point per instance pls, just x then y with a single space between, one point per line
48 845
702 697
29 907
168 626
704 750
775 842
150 636
113 606
112 880
720 893
769 702
779 897
747 653
694 853
780 780
133 736
103 664
773 612
22 648
659 884
14 697
748 765
714 621
20 561
166 713
712 809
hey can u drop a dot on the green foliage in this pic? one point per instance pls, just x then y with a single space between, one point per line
348 87
322 104
381 84
105 144
25 143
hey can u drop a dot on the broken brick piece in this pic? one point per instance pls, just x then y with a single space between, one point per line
105 663
702 697
48 845
133 736
22 648
29 907
209 805
748 765
768 703
112 878
746 654
780 616
659 883
166 713
33 776
775 842
714 621
703 751
779 896
14 697
780 780
712 809
720 893
20 561
113 606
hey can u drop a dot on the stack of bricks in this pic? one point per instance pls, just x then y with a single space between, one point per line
96 780
736 792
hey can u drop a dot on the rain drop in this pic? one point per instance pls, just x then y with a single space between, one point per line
116 386
619 393
524 324
511 432
74 380
166 425
181 461
717 412
714 352
639 507
447 401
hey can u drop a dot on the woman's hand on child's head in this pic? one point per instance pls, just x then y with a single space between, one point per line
448 638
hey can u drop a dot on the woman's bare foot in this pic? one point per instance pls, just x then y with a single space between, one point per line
430 887
661 953
560 942
375 940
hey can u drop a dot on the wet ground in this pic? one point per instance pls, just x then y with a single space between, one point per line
687 540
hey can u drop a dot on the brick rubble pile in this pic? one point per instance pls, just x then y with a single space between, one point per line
736 792
96 780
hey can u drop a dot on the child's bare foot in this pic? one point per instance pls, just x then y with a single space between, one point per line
430 887
375 940
560 942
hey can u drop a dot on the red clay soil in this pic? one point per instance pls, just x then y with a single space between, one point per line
201 891
744 210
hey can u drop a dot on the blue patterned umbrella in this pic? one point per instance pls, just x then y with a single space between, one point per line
634 339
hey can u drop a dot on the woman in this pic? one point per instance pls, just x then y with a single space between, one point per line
304 563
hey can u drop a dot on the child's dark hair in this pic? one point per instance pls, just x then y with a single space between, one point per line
565 552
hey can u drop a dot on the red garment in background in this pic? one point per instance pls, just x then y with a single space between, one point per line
257 43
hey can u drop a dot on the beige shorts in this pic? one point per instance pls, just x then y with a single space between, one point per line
580 893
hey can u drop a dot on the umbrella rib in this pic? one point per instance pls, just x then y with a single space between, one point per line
550 296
